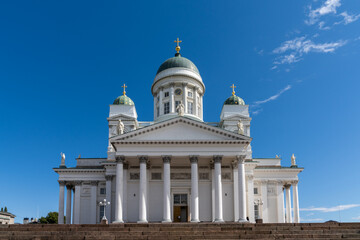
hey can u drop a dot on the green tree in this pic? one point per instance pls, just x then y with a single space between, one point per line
43 220
5 210
2 209
52 217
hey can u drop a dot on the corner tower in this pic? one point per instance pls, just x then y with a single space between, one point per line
178 81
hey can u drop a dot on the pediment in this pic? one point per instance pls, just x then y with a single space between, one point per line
120 116
180 129
236 117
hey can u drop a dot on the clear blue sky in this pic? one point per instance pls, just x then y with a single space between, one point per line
296 63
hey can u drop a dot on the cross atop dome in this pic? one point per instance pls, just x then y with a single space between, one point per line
233 89
177 48
124 86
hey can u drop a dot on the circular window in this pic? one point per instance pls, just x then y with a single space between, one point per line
178 91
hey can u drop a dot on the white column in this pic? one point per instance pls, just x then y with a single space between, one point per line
184 97
167 185
296 202
242 189
194 189
108 179
236 192
212 193
68 203
172 99
161 104
280 202
218 190
196 113
251 198
61 202
77 202
126 166
265 202
119 189
73 208
93 203
288 203
143 190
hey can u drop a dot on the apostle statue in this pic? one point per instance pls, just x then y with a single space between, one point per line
180 109
293 163
121 127
240 127
62 159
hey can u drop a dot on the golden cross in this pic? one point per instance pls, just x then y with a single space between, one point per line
233 87
177 44
124 86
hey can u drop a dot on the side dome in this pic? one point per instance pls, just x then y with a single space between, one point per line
234 100
178 61
123 100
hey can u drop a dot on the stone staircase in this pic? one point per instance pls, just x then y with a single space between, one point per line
186 231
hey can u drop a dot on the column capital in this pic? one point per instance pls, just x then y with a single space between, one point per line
287 186
172 85
241 158
77 183
294 182
61 183
217 158
69 185
184 84
120 159
109 177
143 159
250 177
264 181
166 158
193 158
94 183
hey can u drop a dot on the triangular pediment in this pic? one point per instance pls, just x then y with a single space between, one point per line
121 116
236 117
180 129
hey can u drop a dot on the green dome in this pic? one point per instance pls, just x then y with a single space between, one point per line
178 61
234 100
123 100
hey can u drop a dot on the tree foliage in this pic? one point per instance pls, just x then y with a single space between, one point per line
5 209
51 218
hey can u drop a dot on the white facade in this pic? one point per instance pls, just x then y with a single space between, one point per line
179 168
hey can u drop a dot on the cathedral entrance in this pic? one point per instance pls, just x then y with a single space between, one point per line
180 208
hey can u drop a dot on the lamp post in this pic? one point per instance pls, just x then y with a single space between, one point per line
258 202
104 203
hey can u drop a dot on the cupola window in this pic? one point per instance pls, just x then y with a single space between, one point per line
190 94
166 108
190 107
166 94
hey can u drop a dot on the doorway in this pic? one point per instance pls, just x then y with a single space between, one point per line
180 208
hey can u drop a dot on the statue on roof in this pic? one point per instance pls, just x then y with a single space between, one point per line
121 127
180 109
62 159
240 127
293 163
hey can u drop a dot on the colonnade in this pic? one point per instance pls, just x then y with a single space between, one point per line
143 215
288 214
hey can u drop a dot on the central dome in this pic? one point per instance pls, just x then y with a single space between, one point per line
178 61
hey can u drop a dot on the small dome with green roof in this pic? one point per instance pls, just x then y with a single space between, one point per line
123 99
178 61
234 100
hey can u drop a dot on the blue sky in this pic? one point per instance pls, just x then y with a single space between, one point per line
296 63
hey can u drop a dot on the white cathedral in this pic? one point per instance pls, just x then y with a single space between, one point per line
178 168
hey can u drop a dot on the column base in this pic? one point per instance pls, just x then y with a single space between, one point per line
242 220
195 220
219 221
118 222
142 221
166 221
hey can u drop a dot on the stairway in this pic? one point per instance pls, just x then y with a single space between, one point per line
186 231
